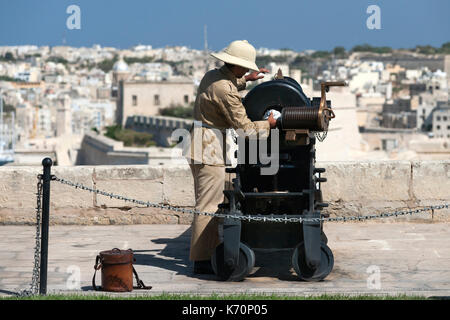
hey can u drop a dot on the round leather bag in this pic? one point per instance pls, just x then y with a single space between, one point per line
117 270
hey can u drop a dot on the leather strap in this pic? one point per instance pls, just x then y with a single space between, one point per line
96 267
140 283
205 125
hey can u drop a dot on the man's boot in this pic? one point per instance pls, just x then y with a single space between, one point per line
203 267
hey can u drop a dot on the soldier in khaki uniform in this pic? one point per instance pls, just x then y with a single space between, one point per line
218 107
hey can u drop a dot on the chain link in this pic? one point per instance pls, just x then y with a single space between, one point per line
321 136
34 286
256 218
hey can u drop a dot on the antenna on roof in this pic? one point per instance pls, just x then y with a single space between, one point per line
205 35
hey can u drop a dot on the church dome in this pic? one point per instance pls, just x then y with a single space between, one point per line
120 66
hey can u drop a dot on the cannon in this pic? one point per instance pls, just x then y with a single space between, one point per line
292 192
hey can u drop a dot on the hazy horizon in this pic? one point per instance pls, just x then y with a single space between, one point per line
298 25
171 46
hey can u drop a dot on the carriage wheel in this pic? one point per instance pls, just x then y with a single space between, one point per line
323 237
304 272
244 267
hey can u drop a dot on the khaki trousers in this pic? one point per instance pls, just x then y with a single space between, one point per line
209 183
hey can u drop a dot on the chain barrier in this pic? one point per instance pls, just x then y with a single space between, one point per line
34 286
321 136
258 218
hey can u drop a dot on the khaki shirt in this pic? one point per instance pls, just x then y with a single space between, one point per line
218 105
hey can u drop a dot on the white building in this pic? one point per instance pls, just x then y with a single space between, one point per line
343 141
364 81
441 122
145 98
43 122
88 114
152 71
424 116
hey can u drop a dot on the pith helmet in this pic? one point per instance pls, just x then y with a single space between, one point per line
240 53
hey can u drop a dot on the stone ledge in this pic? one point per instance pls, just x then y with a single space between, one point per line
352 188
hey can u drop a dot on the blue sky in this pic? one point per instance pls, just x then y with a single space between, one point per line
300 24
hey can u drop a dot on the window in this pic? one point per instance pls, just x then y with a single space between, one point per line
186 98
438 118
389 144
438 127
444 118
156 101
134 100
448 127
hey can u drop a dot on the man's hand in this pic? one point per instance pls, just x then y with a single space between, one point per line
255 75
272 121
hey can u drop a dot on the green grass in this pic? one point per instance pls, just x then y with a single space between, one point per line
169 296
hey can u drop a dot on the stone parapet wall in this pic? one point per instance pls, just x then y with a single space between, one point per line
353 188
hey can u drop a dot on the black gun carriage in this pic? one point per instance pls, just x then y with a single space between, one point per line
292 192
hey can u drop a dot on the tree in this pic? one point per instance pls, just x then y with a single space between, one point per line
339 52
107 64
262 61
303 63
8 107
58 60
9 56
426 49
445 48
130 137
7 78
368 48
320 55
132 60
178 111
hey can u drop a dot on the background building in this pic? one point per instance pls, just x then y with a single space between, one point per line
145 98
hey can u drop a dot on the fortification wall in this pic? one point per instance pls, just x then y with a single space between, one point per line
353 188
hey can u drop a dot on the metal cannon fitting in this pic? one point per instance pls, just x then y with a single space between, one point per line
316 118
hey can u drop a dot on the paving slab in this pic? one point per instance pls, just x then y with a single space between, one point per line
369 258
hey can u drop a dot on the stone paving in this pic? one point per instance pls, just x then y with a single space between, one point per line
413 259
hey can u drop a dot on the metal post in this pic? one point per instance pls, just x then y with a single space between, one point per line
47 163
